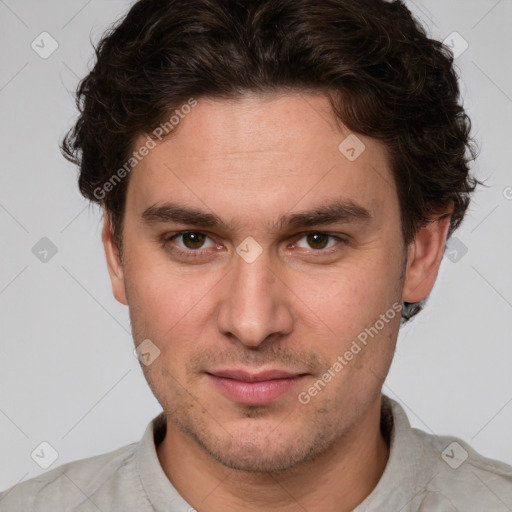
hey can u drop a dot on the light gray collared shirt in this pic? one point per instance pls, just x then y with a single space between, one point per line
424 473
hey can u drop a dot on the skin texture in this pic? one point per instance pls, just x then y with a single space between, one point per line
296 308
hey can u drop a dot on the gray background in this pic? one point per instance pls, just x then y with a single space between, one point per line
67 369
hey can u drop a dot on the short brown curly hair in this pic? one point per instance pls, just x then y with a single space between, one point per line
385 78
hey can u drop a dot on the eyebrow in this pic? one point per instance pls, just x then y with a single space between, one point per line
335 212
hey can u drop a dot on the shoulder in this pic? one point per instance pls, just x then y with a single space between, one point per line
436 473
72 483
464 478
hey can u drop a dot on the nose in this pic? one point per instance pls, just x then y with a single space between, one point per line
255 304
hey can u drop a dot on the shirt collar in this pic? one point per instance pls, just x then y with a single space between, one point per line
407 470
159 490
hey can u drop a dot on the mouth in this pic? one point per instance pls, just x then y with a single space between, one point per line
251 388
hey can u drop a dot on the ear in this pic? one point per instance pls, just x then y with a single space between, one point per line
114 263
424 256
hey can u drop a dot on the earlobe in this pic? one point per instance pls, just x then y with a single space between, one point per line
114 263
424 258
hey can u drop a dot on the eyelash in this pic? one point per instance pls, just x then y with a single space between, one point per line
198 253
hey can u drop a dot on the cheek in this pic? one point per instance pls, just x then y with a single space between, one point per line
360 317
153 285
353 297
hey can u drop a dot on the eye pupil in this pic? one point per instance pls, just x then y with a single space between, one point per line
317 236
195 240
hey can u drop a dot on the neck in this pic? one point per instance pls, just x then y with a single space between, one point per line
338 480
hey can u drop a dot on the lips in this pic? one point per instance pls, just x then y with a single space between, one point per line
246 376
254 388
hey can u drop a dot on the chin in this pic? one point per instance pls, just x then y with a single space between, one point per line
263 456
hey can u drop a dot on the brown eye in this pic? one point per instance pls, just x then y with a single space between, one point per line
190 245
317 240
193 239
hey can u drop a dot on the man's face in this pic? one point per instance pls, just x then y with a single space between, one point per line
224 304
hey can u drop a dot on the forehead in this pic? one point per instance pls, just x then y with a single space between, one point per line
261 155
